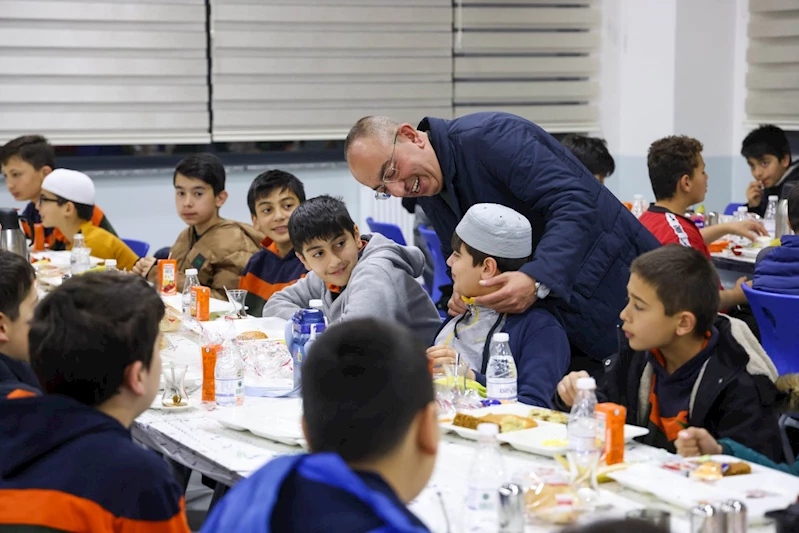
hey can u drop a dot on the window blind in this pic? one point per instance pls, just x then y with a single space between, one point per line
535 58
308 69
772 79
104 72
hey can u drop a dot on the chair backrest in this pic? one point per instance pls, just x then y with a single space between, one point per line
386 229
139 248
732 208
776 317
440 276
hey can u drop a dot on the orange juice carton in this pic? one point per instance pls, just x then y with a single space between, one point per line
200 303
610 421
168 276
209 353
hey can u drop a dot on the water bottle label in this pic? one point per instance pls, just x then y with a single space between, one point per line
501 389
481 500
229 391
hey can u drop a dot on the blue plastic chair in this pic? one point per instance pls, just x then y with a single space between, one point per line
732 208
440 276
139 248
392 231
776 317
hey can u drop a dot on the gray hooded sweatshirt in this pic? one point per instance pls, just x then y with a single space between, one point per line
382 285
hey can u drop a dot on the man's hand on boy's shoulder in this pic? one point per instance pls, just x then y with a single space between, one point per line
567 388
143 266
516 293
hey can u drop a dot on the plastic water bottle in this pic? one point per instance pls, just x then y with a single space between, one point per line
79 261
583 449
501 376
486 475
306 324
191 281
639 208
770 217
111 265
741 214
229 375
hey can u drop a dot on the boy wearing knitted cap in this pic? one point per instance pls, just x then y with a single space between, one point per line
66 203
489 240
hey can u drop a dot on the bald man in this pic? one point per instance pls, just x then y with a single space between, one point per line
584 239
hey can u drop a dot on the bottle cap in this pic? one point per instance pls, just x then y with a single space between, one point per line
773 197
586 384
110 262
78 237
488 429
191 271
316 304
638 196
742 209
500 337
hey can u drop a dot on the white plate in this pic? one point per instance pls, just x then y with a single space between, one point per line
532 440
677 489
751 253
161 407
519 409
278 430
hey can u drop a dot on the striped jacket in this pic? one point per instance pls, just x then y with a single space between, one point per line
267 273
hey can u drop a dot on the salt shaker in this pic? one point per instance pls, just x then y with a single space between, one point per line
733 513
511 509
706 519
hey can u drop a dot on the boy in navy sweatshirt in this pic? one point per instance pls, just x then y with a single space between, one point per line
67 460
489 240
18 298
371 423
272 198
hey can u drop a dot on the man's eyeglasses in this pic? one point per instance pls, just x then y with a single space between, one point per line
390 175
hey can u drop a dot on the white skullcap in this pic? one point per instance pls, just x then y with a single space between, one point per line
497 231
70 185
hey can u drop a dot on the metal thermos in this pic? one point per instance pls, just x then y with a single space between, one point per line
711 219
781 223
734 514
511 509
12 239
706 519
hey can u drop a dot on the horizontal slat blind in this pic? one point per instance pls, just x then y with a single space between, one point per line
104 72
535 58
772 80
308 69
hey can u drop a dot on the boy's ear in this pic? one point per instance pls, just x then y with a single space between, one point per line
356 233
134 378
785 161
684 183
302 260
221 198
255 223
427 433
305 431
4 328
490 268
686 323
45 170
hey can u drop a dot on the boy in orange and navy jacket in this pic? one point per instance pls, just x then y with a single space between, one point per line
25 162
18 297
67 459
272 197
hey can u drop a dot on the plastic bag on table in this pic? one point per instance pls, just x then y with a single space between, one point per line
548 496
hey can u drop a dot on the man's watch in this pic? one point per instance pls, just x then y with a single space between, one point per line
541 290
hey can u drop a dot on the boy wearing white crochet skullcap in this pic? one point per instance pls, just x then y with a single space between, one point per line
489 240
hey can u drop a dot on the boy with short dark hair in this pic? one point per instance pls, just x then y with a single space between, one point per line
272 198
66 203
354 275
593 153
371 423
18 298
489 240
777 268
67 459
677 174
219 249
682 365
768 154
25 162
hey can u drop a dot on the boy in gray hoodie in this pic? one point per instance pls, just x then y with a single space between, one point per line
354 275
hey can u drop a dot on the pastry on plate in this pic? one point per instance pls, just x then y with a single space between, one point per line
252 336
548 415
506 423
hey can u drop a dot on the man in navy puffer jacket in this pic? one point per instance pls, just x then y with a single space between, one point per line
584 239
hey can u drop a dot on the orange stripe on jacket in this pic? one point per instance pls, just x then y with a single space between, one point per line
259 287
59 510
20 393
